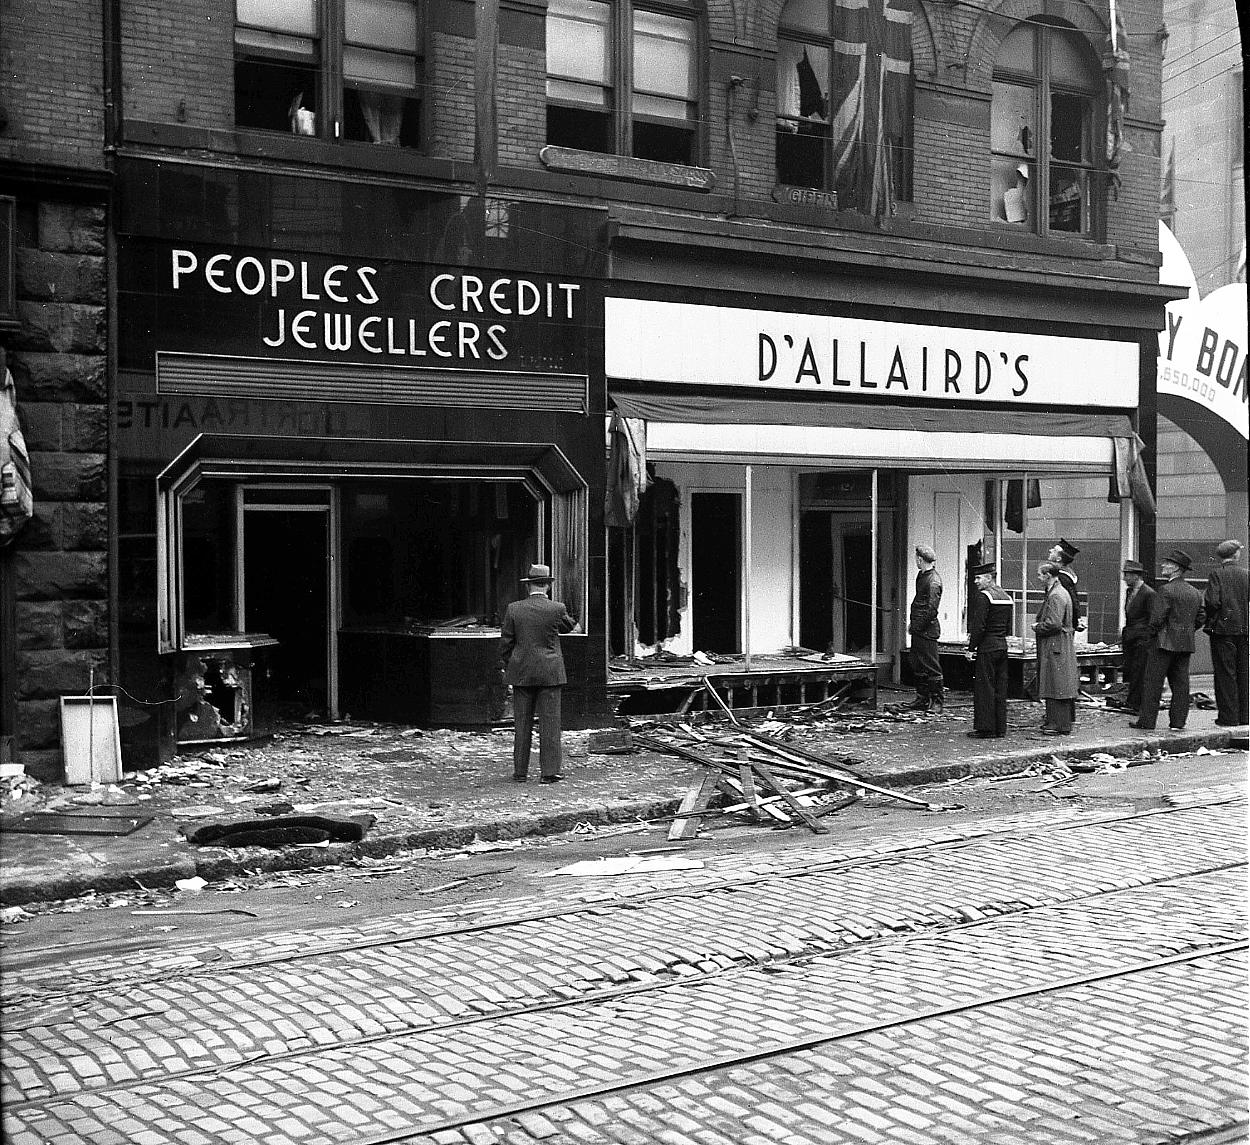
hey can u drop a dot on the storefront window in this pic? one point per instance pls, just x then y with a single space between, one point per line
208 557
429 553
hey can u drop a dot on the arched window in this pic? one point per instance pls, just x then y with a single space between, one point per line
844 110
1043 128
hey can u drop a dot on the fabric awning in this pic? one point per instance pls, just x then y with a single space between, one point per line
699 426
706 410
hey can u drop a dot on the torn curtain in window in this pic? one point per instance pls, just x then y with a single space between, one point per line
1129 478
1013 511
627 469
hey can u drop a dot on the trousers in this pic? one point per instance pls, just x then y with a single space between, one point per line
1229 656
545 703
989 693
1136 655
1173 667
926 667
1059 715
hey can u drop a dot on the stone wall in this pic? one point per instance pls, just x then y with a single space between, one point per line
58 361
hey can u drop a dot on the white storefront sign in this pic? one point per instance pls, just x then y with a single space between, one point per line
1202 350
816 353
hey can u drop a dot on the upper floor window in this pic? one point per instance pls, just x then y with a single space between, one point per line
340 69
1044 173
844 100
623 79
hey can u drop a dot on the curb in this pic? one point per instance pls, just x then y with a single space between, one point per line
215 868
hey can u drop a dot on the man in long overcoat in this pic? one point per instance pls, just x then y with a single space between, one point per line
531 661
1225 605
1176 614
1136 639
924 630
1058 676
989 622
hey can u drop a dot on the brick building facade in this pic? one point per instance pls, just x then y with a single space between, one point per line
638 173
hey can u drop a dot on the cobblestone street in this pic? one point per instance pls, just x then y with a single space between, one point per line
1063 975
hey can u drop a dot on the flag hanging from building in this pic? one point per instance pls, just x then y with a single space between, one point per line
1167 194
1115 66
16 498
872 92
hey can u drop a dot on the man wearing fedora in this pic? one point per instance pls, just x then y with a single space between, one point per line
1136 639
531 661
1174 618
1225 604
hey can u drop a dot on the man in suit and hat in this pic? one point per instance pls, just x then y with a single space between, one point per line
1136 639
1058 677
989 622
1225 604
531 661
924 630
1174 618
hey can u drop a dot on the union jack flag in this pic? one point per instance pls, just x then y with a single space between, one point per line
872 77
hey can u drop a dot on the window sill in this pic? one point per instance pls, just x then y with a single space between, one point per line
302 149
627 168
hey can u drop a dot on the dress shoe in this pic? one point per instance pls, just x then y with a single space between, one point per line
520 778
551 779
980 735
1142 727
1053 732
1174 729
917 705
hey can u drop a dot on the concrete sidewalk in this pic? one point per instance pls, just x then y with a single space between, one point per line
443 789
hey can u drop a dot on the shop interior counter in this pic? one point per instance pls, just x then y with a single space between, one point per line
1099 665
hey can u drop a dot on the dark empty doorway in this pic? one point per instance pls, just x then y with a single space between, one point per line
286 596
716 570
857 579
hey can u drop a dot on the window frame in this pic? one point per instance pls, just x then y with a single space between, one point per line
620 89
330 44
1043 162
805 38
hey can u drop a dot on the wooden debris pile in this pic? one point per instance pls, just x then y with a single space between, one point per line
757 775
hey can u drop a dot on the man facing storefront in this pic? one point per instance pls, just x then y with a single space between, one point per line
1136 638
1174 618
924 630
989 622
1225 605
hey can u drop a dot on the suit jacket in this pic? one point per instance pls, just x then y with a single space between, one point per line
1058 674
1225 601
1137 615
1175 615
923 620
529 651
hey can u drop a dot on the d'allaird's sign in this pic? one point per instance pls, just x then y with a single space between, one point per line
256 304
714 345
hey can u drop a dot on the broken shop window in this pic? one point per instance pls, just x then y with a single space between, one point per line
645 579
213 698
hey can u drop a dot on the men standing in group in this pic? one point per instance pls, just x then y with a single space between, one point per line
989 622
531 660
1136 638
1225 604
1058 677
924 630
1174 617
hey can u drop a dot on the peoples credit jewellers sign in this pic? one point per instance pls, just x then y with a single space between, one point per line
291 306
715 345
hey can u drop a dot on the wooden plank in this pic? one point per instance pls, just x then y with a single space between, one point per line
767 805
695 799
748 786
767 776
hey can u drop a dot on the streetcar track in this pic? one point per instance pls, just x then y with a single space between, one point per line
212 955
728 1061
613 995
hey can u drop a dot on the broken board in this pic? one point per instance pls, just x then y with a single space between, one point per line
53 823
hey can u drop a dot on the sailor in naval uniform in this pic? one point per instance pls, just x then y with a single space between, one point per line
989 622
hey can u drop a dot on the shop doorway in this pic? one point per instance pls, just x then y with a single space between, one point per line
835 582
716 571
286 594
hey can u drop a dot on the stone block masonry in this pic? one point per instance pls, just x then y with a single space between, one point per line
60 559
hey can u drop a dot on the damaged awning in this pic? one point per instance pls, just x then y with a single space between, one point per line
697 427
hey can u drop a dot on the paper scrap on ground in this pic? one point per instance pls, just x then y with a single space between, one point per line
629 865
